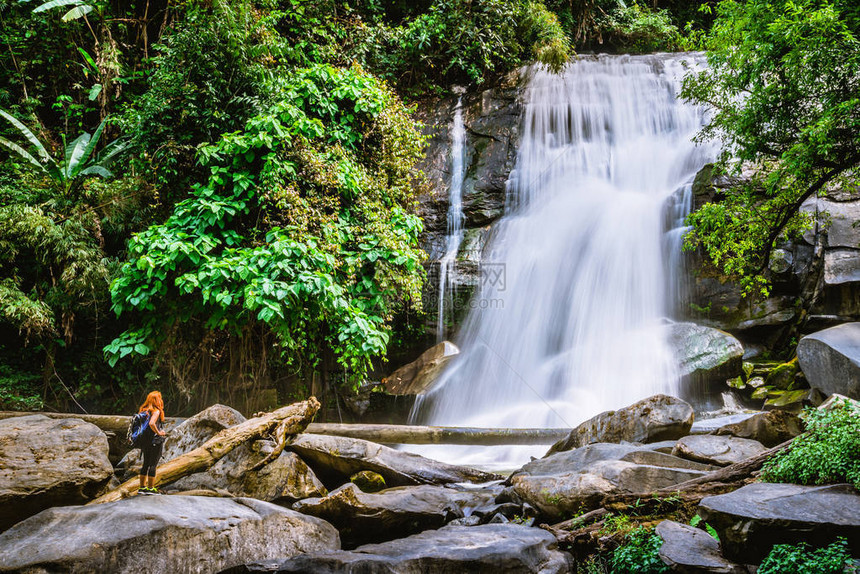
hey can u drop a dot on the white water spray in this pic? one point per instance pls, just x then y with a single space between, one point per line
574 284
454 233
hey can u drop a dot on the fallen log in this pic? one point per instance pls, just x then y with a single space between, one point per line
410 434
379 433
284 422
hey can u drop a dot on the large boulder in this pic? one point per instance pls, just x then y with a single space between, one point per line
286 478
706 358
692 551
393 513
158 534
753 518
719 450
576 481
48 462
654 419
420 374
488 549
830 360
335 459
770 428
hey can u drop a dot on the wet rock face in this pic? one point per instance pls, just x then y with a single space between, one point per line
830 360
393 513
488 549
820 271
706 358
752 519
492 121
654 419
48 462
159 534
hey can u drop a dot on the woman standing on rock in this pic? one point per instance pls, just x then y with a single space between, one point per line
153 442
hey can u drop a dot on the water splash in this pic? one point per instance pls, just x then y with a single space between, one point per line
575 289
454 232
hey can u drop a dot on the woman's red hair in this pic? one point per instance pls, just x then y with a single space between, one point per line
153 401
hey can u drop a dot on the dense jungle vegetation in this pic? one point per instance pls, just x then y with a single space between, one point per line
214 197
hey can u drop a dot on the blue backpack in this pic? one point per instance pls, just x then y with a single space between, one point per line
136 428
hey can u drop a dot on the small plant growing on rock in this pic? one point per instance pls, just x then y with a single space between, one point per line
829 451
800 559
639 554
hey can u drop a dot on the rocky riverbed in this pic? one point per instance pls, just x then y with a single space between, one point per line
334 504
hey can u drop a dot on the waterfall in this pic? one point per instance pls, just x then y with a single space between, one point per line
454 232
574 287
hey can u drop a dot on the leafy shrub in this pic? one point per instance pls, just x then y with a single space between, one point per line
639 30
828 452
466 41
639 554
19 391
800 559
304 228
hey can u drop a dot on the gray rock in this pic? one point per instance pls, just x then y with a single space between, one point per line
576 481
654 419
334 459
720 450
287 478
692 551
830 360
48 462
770 428
488 549
393 513
419 375
706 358
841 266
158 534
753 518
580 459
705 426
839 217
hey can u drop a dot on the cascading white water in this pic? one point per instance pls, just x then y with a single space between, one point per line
574 284
454 232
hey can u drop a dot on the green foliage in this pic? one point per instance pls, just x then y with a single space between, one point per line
636 29
77 162
639 554
828 452
781 86
801 559
18 390
465 41
304 226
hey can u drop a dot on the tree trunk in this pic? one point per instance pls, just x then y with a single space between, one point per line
286 421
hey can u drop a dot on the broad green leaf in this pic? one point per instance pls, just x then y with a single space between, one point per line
94 92
56 4
22 152
91 145
77 12
31 137
74 152
88 59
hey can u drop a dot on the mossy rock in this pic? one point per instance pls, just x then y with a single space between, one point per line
736 383
760 393
368 481
782 376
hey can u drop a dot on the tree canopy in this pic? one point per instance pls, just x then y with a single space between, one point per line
783 90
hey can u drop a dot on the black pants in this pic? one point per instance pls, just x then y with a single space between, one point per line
151 455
